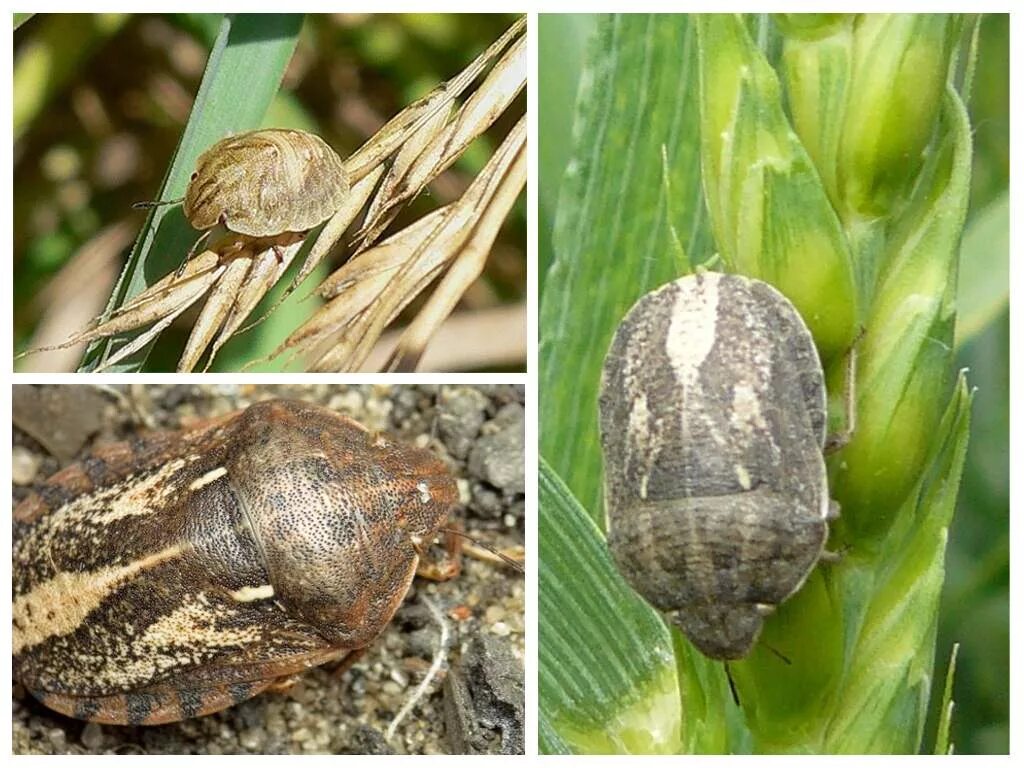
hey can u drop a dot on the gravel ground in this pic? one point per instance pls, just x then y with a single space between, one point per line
474 704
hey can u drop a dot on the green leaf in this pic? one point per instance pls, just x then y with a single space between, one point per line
243 74
942 743
629 212
607 674
563 38
983 292
57 47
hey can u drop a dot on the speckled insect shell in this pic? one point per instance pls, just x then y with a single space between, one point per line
713 421
180 573
263 183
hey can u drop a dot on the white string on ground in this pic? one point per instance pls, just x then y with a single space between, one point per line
435 666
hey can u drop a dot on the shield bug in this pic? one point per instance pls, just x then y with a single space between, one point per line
180 573
264 184
713 426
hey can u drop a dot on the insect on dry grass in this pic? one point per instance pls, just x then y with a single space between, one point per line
257 196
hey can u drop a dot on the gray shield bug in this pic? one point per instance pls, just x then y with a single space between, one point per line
713 426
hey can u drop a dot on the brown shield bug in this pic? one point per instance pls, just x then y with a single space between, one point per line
264 184
178 573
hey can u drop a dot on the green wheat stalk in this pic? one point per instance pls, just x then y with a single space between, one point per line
838 170
852 202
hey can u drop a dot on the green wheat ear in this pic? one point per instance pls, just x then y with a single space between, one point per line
842 178
836 167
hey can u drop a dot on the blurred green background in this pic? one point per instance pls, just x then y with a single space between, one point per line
976 599
99 105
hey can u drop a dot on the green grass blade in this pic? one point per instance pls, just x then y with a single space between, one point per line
243 74
983 291
943 746
622 207
563 38
607 673
58 46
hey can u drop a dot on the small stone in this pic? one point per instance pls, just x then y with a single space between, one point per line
24 465
251 739
58 739
92 736
487 502
494 613
461 412
498 457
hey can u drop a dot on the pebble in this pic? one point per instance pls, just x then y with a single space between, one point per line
92 736
24 465
494 613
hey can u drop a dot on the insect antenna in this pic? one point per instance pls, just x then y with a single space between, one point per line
144 204
732 684
500 555
785 659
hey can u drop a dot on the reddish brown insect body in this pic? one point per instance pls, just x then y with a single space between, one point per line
180 573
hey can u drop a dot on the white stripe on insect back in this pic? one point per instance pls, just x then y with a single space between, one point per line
690 338
58 605
746 408
190 633
248 594
209 477
640 439
136 496
691 331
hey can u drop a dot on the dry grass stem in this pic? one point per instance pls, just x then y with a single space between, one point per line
364 296
397 130
431 249
492 337
468 263
76 295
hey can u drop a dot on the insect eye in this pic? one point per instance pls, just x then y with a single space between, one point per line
194 176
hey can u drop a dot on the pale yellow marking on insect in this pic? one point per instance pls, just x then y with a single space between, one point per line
248 594
139 497
638 419
182 637
641 442
691 332
209 477
690 337
743 477
746 409
58 606
424 490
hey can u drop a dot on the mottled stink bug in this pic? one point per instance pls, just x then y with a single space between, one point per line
713 426
176 574
264 184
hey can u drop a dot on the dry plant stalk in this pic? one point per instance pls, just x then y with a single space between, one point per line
267 223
